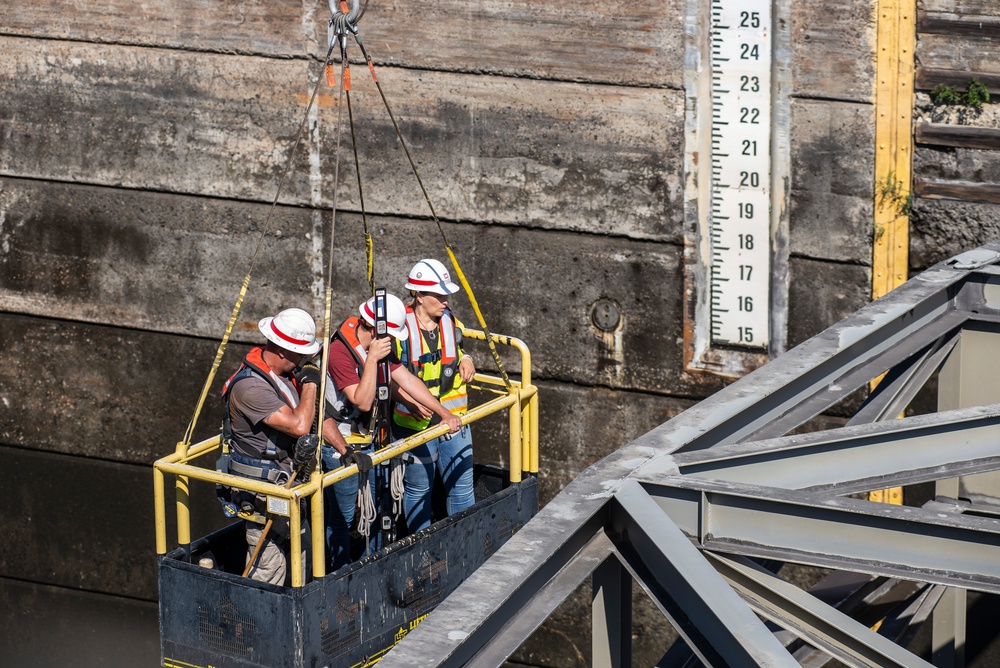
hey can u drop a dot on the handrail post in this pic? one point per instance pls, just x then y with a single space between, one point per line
318 528
533 414
183 500
295 542
515 438
525 407
159 511
183 515
529 409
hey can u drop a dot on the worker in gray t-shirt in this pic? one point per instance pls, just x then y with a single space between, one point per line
270 403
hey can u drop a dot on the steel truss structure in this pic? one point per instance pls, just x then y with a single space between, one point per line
695 510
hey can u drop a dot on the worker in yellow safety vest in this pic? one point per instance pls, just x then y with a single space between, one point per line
432 351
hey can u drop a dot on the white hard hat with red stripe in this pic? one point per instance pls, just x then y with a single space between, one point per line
431 276
395 315
292 329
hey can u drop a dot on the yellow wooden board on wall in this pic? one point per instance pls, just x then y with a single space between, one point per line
893 158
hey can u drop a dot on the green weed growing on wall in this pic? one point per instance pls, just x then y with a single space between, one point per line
976 93
892 192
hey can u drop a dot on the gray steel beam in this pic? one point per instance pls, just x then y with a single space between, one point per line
463 625
902 626
847 534
611 615
858 458
793 526
823 626
895 392
480 609
768 394
841 377
707 613
948 630
596 554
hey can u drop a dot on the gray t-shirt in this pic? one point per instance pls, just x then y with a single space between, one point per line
251 401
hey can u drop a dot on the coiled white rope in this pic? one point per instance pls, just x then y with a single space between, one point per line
396 485
366 507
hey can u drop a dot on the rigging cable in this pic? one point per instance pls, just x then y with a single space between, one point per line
444 237
189 433
369 245
340 23
328 293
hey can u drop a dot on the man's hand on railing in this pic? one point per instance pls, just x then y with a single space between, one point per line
362 459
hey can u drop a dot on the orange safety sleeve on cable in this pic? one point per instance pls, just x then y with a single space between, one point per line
331 79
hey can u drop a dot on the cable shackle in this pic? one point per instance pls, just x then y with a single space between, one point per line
344 17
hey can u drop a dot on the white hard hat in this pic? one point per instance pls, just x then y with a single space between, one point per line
395 315
292 329
431 276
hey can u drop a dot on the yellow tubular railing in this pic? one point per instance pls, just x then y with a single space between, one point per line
520 399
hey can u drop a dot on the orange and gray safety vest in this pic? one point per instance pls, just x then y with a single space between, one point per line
338 406
254 365
438 368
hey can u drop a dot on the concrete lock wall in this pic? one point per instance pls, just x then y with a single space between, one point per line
140 149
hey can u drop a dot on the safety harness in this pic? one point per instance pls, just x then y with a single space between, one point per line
437 368
343 410
262 467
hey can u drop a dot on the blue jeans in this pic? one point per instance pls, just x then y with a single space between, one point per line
340 504
454 462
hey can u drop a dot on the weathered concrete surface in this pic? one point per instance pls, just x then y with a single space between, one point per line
148 260
83 523
171 264
940 229
833 155
845 289
140 147
263 27
65 626
557 39
826 40
547 154
121 396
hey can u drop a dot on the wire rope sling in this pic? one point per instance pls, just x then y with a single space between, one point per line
342 26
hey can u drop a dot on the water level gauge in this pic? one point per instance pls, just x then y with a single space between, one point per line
737 115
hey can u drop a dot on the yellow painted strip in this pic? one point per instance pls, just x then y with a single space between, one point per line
893 158
893 143
177 663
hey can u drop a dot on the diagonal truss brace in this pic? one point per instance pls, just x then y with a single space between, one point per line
798 611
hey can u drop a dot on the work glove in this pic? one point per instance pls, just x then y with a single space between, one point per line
304 459
308 373
352 456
